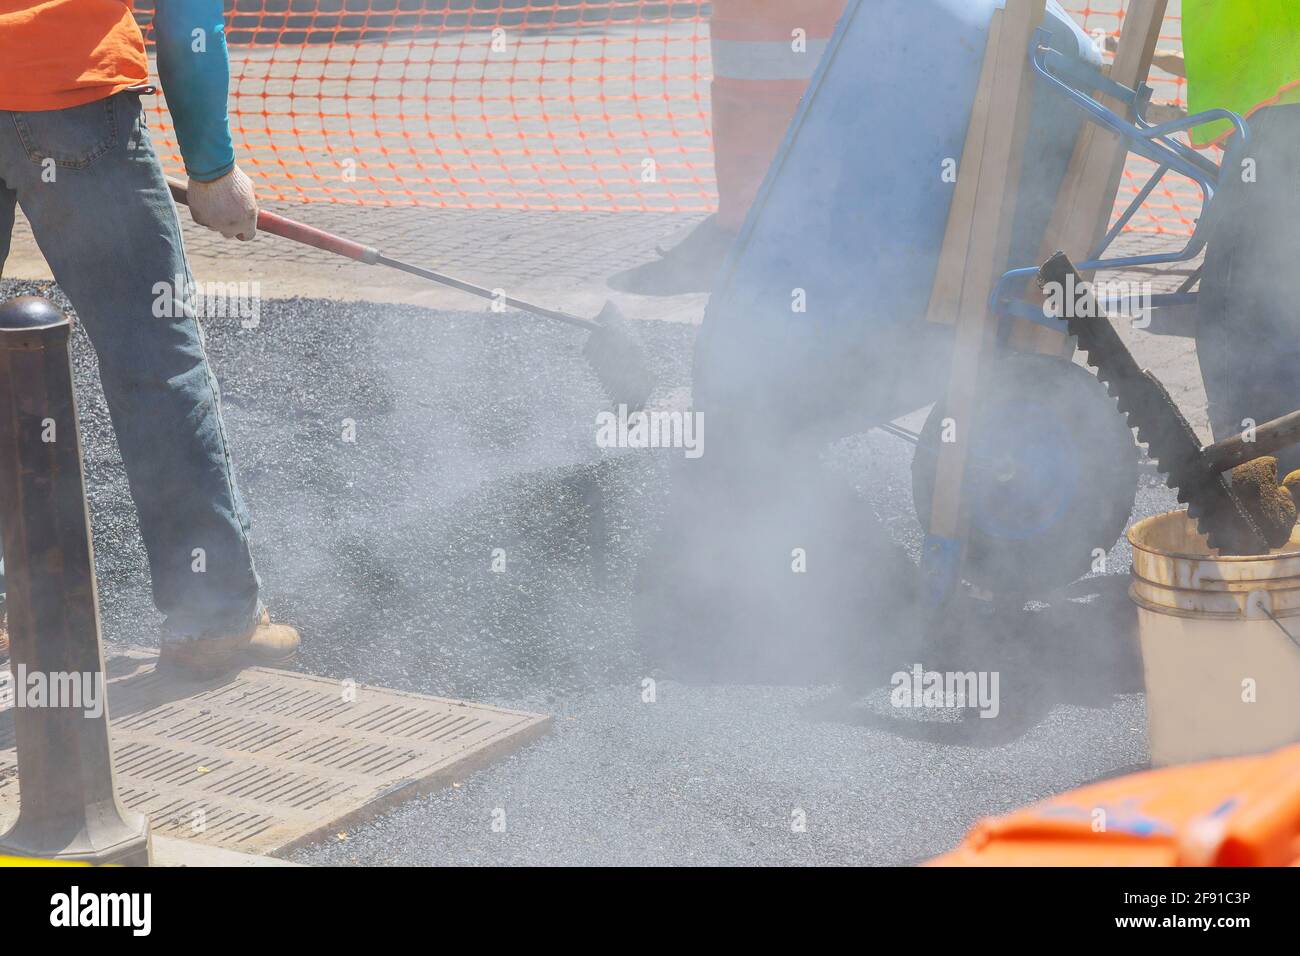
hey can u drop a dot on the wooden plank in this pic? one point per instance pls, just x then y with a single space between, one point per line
1087 199
990 239
945 296
1098 164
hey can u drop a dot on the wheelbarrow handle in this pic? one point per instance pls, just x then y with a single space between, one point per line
287 228
1269 437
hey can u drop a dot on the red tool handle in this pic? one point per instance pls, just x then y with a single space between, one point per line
297 231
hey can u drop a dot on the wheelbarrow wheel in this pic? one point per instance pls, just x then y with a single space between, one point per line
1050 480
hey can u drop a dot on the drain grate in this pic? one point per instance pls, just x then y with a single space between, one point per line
267 760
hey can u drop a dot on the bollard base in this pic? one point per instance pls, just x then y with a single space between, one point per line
129 842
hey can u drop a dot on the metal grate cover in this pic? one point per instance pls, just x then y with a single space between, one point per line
267 760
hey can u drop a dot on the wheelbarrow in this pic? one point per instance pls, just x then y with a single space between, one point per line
1051 486
813 333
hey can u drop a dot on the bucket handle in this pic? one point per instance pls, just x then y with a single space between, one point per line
1262 604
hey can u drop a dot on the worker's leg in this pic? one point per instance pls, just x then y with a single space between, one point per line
88 180
8 203
1248 341
764 53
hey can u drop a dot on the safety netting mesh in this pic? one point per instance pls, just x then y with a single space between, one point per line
1173 207
506 104
553 105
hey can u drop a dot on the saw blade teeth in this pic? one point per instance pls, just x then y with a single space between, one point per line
1153 414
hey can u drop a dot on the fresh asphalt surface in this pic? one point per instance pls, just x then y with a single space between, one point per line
475 431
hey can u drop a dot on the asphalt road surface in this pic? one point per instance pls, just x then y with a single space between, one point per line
475 432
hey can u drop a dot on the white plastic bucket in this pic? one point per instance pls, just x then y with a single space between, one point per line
1222 675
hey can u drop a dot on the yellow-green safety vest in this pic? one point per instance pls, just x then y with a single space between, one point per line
1241 55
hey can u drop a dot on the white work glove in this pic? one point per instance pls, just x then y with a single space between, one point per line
226 205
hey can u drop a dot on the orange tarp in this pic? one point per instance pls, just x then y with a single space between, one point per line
1243 811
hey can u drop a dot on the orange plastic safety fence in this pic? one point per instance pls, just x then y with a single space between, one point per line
514 104
504 104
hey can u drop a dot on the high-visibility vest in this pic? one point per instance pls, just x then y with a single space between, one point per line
764 54
1241 55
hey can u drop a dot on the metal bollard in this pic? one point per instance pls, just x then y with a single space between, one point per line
69 808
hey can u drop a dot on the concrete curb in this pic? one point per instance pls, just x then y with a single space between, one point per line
169 851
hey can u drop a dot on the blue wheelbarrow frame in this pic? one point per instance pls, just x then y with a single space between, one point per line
1074 80
1155 143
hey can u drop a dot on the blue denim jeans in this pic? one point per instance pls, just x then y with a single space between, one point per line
89 182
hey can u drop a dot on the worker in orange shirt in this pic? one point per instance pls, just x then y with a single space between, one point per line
75 155
764 53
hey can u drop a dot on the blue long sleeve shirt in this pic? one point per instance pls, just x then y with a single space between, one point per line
194 70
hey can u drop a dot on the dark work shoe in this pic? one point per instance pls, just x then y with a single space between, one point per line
689 266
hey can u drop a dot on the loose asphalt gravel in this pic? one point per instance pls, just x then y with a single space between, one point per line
475 431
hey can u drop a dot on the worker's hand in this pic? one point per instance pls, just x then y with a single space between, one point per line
226 205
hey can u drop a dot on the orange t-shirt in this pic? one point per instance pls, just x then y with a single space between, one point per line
60 53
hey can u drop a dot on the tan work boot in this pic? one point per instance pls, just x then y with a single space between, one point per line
265 644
